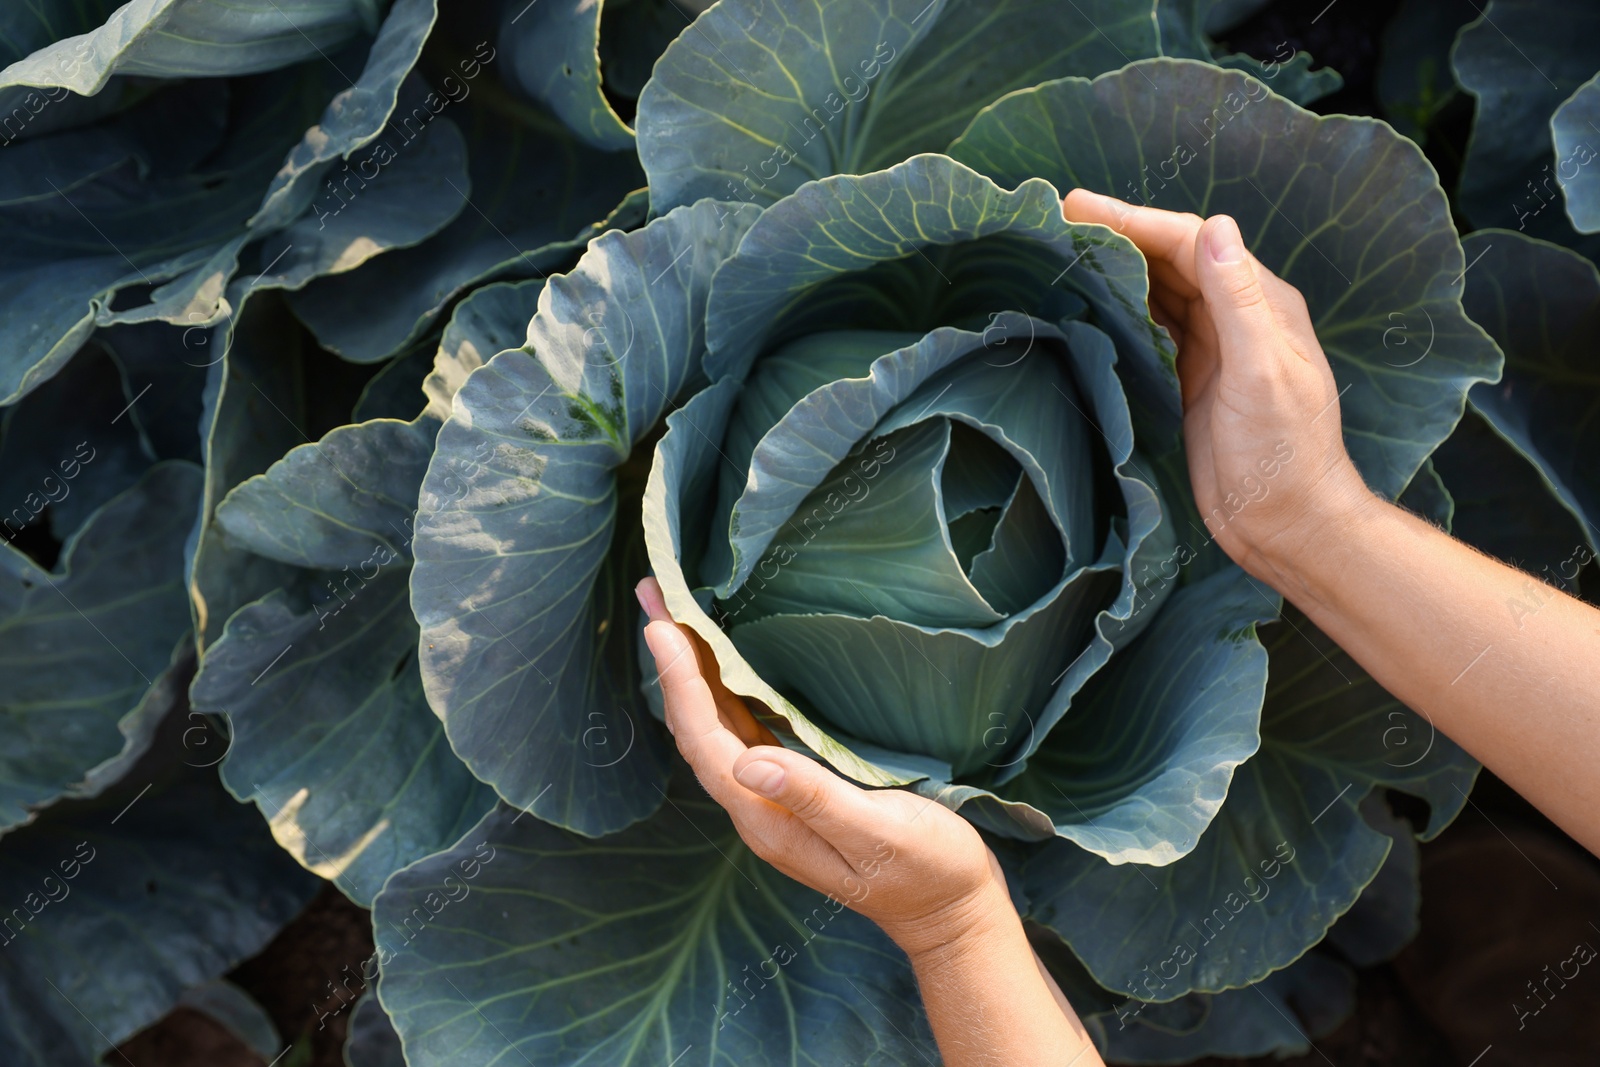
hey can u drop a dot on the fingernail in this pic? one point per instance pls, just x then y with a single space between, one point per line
761 776
649 600
1224 241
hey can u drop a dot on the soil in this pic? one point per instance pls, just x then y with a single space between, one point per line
1506 896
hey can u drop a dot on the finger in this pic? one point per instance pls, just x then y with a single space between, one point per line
1235 300
1166 238
735 713
840 812
691 710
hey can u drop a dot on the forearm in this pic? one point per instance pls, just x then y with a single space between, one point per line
990 1001
1506 666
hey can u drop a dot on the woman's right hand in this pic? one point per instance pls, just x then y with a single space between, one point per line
1260 407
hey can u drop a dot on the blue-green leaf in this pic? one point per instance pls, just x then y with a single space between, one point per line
86 642
1504 507
1520 59
1282 1015
191 39
332 738
667 942
762 95
1575 129
119 914
676 524
517 156
527 549
1343 208
372 1041
1186 29
1140 764
560 51
334 504
1541 304
1287 854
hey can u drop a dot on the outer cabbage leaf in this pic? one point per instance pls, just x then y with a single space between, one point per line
190 39
849 86
560 51
668 941
332 735
1344 209
1186 30
238 1012
1504 506
1265 1019
372 1041
1289 851
169 910
107 192
1541 304
87 644
526 549
1520 59
70 446
536 194
254 412
1575 129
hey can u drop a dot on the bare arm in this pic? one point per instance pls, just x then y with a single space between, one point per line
914 867
1504 665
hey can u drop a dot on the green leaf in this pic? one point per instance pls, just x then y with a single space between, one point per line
1287 854
885 551
332 737
1575 129
820 259
850 86
1186 29
339 502
254 412
1386 916
556 51
668 940
491 319
372 1041
675 525
192 39
61 454
1504 507
1541 304
87 644
1520 59
516 156
1282 1015
1139 766
1342 208
115 914
527 549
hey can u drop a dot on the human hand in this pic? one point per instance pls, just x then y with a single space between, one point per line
1260 406
917 869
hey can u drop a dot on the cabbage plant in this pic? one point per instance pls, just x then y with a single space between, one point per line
902 446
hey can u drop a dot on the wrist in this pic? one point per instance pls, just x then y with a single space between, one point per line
974 923
1338 512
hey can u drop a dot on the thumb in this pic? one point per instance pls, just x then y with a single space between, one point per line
840 812
1235 298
